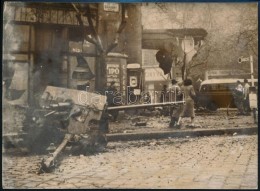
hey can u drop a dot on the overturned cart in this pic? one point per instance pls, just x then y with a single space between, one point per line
82 117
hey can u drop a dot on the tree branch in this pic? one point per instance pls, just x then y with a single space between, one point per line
85 36
119 30
94 32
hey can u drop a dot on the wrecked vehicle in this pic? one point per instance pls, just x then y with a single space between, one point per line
65 116
70 117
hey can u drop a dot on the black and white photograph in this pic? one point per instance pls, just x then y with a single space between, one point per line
120 95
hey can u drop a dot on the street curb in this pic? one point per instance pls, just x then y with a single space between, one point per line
180 134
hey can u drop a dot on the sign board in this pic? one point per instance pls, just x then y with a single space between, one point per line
155 74
187 44
133 81
47 15
112 7
116 71
137 92
241 59
113 71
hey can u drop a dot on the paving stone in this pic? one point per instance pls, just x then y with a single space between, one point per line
215 185
83 185
232 180
152 166
43 185
201 178
31 184
231 186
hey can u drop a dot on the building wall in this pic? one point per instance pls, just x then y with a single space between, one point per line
42 43
50 46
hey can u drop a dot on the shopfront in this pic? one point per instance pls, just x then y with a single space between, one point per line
154 82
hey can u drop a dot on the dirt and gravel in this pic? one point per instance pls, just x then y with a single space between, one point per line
204 120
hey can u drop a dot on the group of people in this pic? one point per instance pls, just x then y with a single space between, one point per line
186 93
241 97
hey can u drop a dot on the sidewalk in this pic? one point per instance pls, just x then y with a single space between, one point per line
156 127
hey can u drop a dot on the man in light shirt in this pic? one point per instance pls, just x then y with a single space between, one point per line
239 97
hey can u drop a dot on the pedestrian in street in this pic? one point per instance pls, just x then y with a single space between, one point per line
189 97
165 98
197 85
246 97
111 92
197 92
175 95
164 95
253 103
238 95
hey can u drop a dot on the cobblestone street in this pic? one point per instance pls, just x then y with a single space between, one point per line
128 95
228 162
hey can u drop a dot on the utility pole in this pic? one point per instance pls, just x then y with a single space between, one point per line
252 70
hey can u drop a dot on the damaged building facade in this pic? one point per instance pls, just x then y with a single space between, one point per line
43 45
85 46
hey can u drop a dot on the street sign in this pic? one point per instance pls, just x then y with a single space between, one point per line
241 59
113 7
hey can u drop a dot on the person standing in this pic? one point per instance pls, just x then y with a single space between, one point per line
164 95
175 95
165 98
197 91
111 94
238 95
197 85
189 97
246 96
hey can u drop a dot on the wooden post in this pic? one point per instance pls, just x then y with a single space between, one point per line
30 66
